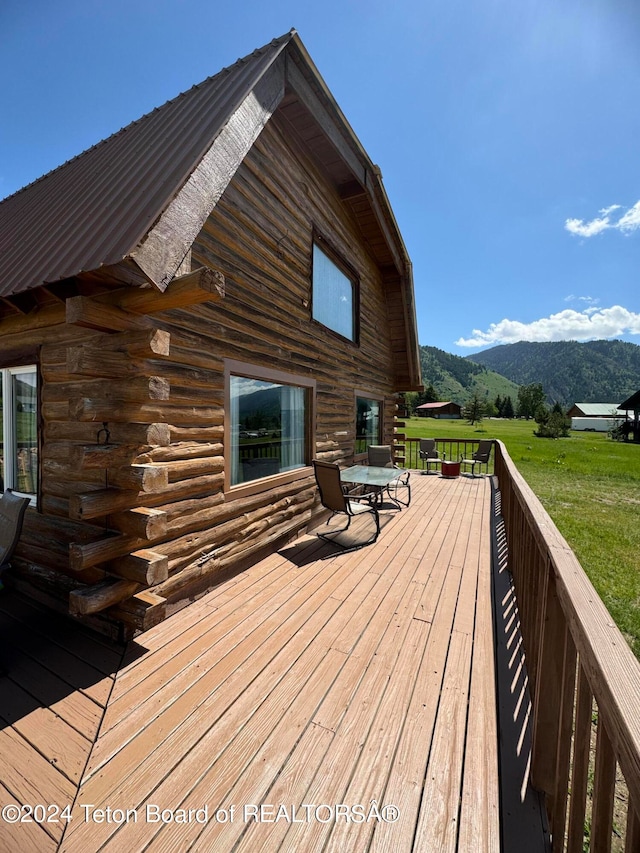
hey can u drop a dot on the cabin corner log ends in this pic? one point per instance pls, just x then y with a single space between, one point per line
109 371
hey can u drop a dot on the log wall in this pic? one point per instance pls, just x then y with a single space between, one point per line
133 516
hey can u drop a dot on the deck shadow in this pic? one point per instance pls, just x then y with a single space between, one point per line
45 658
524 826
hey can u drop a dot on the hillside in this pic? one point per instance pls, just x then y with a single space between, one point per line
458 379
591 372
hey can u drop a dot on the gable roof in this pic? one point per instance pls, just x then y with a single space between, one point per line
98 209
127 210
596 410
632 404
439 405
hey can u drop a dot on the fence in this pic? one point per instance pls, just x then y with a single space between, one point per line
582 676
451 448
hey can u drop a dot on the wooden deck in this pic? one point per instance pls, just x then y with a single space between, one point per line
320 686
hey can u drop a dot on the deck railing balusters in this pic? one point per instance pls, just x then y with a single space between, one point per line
455 448
567 631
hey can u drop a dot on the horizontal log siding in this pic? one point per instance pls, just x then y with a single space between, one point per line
164 405
260 236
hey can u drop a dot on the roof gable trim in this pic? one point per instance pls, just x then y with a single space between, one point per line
167 243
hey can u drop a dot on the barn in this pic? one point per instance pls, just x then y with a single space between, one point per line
446 410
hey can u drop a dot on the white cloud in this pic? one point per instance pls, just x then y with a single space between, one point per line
590 324
588 300
631 220
587 229
627 223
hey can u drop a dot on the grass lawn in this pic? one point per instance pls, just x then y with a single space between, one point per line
590 486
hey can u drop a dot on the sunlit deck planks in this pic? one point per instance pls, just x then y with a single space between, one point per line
315 677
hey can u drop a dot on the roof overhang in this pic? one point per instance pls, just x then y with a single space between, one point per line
128 210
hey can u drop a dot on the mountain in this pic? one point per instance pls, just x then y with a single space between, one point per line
570 372
458 379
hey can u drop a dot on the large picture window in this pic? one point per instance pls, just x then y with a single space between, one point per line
19 429
368 423
268 429
334 295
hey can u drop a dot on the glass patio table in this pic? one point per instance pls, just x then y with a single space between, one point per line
380 479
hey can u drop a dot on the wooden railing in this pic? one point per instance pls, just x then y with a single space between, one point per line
584 680
454 448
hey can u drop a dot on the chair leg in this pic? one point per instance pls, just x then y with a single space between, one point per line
329 537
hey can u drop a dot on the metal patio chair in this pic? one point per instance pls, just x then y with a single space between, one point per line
12 510
380 456
334 499
480 456
429 454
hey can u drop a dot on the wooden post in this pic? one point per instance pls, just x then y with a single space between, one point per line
604 786
548 694
580 771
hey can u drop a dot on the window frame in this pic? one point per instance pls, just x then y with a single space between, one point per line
247 370
359 394
9 437
332 254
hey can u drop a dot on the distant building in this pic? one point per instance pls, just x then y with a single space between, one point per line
592 410
631 427
446 410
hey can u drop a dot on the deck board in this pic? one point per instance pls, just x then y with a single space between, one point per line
317 676
52 698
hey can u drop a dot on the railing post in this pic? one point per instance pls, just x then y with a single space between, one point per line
580 770
604 786
547 702
633 830
563 751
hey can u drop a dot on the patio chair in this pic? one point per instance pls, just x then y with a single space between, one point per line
380 456
333 498
429 454
479 456
12 510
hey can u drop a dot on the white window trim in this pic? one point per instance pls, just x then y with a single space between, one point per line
9 427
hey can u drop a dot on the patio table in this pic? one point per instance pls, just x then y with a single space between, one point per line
379 478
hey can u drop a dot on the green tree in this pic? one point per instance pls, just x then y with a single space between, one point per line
530 399
429 395
552 423
413 399
474 410
507 408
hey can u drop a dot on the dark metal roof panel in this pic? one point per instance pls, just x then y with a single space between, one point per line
95 209
633 403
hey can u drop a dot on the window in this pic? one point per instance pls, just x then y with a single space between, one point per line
19 429
333 295
268 424
368 423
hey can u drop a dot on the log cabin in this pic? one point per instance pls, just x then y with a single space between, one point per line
190 312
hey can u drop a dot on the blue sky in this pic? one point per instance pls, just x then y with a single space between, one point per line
507 133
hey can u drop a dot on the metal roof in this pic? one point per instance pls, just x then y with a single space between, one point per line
95 209
632 403
438 405
127 210
597 410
